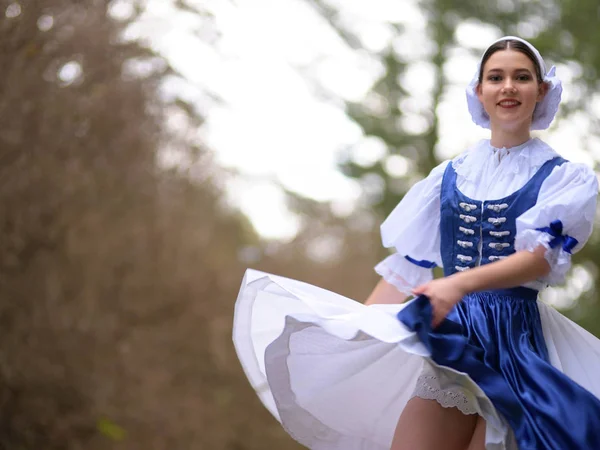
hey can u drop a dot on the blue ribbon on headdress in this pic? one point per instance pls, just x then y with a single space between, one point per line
556 231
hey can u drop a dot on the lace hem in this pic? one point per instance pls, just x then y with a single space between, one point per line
447 398
558 259
412 275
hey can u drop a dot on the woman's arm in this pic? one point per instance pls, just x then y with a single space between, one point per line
515 270
385 293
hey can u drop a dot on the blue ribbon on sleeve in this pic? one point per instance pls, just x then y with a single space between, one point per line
424 264
556 231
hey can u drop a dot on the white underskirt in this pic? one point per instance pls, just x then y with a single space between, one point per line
337 374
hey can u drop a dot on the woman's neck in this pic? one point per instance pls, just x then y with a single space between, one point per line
503 138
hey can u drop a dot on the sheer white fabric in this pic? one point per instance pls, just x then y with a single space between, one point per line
559 260
417 215
568 195
394 265
413 229
488 173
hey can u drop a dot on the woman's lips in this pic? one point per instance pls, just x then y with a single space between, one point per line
509 103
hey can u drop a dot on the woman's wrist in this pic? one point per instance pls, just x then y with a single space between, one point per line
463 282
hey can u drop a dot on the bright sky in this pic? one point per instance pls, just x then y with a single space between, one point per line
282 73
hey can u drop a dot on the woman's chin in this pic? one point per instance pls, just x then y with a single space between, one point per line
512 125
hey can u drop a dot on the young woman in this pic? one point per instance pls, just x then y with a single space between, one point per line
475 361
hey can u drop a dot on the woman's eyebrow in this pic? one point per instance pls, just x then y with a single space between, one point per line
523 69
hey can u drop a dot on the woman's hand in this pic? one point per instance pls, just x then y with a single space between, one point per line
515 270
444 294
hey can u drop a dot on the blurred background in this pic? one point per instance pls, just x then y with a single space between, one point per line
152 150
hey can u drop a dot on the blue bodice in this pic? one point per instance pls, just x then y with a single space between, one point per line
477 232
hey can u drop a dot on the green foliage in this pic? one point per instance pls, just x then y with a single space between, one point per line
111 430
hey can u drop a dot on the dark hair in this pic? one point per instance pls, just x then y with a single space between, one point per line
512 45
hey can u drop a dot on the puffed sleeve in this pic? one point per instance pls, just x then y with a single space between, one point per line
561 220
413 229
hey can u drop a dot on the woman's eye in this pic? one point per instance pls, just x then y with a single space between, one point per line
494 78
523 78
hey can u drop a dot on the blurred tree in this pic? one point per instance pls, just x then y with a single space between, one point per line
76 152
118 269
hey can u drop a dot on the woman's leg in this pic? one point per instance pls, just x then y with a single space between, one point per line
426 425
478 439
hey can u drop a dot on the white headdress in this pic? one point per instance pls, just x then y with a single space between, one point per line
544 111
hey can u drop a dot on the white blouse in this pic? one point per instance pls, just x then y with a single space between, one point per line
487 173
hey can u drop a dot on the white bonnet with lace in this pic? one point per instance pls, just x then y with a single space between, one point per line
544 111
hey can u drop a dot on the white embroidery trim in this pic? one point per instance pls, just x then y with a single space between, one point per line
447 398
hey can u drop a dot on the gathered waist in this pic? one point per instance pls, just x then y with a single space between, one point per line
516 292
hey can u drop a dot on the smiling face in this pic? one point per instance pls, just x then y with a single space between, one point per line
509 91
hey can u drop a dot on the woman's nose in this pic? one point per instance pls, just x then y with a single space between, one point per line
508 86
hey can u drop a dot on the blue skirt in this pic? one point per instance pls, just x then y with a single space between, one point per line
496 338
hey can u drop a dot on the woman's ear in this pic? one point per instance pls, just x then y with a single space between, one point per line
543 90
479 92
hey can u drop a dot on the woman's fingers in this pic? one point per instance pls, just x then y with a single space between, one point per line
439 312
419 289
